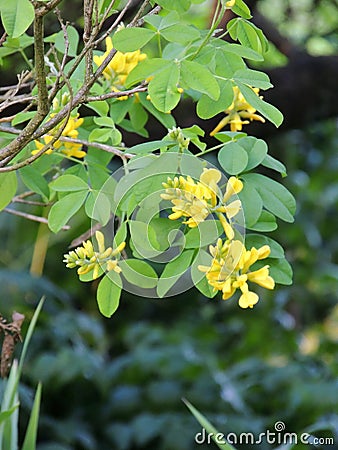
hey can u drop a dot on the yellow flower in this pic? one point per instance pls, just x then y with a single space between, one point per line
120 66
230 3
67 148
197 200
238 110
230 270
85 258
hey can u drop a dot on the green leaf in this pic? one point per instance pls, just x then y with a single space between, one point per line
208 427
206 233
207 108
163 89
242 51
64 209
226 136
8 186
73 39
180 6
97 207
139 273
276 198
274 164
23 117
241 9
180 33
138 116
173 271
266 222
100 135
267 110
197 77
142 237
162 22
16 16
145 69
248 36
167 120
108 296
33 179
280 269
256 149
69 183
32 428
252 204
164 232
120 234
258 240
146 147
104 122
132 39
89 276
227 63
99 107
11 45
233 158
252 78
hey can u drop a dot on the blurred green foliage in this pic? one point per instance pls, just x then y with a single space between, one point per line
118 383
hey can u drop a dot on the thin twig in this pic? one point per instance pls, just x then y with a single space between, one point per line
84 236
13 86
29 202
114 25
104 147
31 217
3 38
87 31
93 98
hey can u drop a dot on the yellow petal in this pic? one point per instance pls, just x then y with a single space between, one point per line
248 300
229 232
109 44
220 126
119 249
210 176
262 278
264 252
175 215
233 208
100 240
234 186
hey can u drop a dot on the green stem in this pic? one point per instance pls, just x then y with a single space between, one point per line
27 61
159 45
219 12
211 149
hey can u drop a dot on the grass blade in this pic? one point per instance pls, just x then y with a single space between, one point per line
209 428
32 429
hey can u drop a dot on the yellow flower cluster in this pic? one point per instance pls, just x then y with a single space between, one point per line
70 130
67 148
230 270
85 258
238 110
196 200
119 67
230 267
